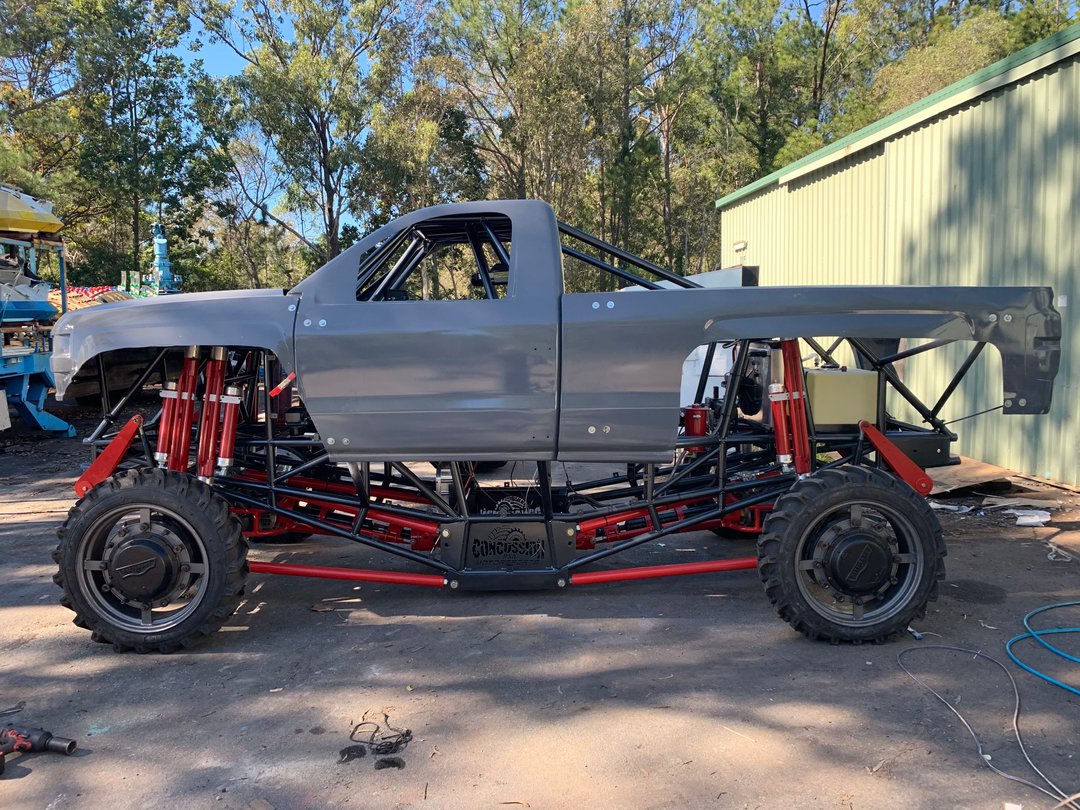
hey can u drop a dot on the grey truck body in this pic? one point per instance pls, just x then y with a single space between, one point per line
537 373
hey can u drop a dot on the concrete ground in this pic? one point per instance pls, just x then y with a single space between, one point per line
685 692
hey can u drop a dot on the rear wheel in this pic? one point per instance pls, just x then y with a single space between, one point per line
851 554
151 560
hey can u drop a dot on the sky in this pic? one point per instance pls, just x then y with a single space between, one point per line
218 59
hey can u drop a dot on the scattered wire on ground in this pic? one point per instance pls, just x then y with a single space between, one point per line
1055 792
380 742
1038 636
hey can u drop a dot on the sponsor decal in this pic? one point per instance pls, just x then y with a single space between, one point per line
506 544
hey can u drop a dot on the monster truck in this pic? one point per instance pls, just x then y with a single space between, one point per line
358 403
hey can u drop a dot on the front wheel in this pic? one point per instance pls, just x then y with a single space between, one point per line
851 554
151 560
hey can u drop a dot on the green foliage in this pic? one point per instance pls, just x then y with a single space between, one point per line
952 54
315 72
629 116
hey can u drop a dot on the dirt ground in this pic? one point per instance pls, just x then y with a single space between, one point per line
685 692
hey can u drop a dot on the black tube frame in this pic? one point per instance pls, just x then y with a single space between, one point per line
735 469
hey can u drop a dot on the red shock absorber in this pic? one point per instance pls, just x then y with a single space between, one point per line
185 409
230 407
793 379
165 423
778 397
211 412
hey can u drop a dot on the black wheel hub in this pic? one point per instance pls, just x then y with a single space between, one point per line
855 558
143 568
144 563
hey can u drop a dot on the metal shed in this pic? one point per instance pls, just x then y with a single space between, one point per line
977 184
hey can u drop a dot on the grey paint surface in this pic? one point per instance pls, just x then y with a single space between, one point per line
539 374
256 318
623 358
436 379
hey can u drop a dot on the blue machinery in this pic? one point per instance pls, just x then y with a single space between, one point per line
25 376
163 280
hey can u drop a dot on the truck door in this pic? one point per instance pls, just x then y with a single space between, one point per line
445 347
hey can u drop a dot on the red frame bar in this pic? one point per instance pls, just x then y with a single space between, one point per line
109 458
437 581
914 475
351 574
657 571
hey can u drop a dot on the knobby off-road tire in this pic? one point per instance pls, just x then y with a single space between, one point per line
851 554
151 560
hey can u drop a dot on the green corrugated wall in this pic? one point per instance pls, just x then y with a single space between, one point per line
986 194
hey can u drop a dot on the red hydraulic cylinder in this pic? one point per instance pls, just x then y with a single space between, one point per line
352 574
778 397
793 378
656 571
185 409
230 406
211 413
165 424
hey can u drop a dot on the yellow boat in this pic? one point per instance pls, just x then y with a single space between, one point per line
21 213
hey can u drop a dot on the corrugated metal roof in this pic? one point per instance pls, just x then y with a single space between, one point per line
1011 69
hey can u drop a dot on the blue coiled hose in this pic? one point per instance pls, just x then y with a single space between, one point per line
1038 636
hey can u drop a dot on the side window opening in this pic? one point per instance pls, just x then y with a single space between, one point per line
462 258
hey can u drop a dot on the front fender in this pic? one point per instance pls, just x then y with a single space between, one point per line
254 318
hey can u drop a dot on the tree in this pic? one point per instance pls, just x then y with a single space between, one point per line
314 72
141 146
420 152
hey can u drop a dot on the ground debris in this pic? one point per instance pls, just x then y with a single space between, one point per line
378 738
